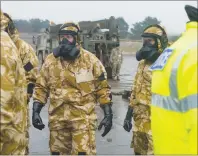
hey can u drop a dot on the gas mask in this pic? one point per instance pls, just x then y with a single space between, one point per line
67 50
148 52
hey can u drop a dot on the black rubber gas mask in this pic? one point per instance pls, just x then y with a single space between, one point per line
67 50
148 51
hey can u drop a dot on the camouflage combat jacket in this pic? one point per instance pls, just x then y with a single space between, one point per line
74 87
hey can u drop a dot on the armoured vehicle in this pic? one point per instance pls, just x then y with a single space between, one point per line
98 37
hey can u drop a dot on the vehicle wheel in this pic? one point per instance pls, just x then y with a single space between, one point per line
40 58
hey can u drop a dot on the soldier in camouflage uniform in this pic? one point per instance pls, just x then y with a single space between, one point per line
116 60
27 54
154 42
75 80
13 123
29 60
96 29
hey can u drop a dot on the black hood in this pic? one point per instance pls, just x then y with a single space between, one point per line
192 13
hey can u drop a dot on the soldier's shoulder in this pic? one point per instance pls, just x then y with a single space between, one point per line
6 41
88 55
29 46
22 43
86 52
4 34
25 45
8 48
50 59
142 62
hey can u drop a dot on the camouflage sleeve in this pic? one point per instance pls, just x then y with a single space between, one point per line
41 86
13 85
133 98
30 63
32 70
103 90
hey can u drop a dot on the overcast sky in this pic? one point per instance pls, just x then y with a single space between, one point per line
171 13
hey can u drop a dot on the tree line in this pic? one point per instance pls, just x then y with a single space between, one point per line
32 25
36 24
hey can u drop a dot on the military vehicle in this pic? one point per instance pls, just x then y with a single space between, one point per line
98 37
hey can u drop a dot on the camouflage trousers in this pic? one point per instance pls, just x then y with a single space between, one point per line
27 132
142 141
116 69
12 142
73 140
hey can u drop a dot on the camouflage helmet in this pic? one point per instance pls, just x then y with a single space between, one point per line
4 21
159 33
69 28
10 28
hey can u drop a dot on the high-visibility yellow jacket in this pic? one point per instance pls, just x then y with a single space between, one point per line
174 96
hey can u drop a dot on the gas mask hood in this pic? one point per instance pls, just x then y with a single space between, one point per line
67 50
192 13
147 52
155 41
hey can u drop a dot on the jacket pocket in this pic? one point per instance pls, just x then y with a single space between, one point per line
85 82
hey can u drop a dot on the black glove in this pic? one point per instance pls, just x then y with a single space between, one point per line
36 119
30 88
127 121
107 121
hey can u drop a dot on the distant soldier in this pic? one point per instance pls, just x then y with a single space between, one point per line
29 60
33 39
97 29
116 60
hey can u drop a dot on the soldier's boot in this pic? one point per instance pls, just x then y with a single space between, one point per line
82 153
137 153
114 78
118 78
55 153
27 151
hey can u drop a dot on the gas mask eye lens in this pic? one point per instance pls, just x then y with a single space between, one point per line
148 41
68 38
